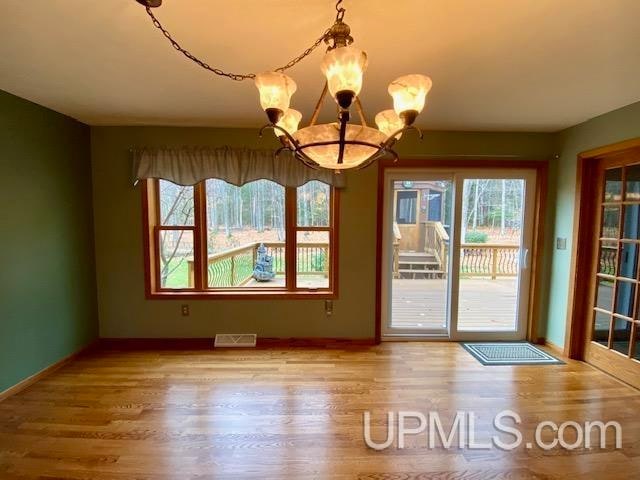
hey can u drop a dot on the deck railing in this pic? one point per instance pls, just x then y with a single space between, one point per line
608 257
234 267
484 259
437 242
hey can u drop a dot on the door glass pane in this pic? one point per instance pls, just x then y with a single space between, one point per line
176 204
608 257
601 325
636 348
624 298
313 260
621 336
314 199
176 258
631 222
420 254
632 182
604 294
245 234
610 222
613 185
628 260
492 219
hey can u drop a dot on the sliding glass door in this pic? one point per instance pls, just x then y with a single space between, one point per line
456 253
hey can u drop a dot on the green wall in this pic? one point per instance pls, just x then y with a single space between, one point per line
123 309
48 308
616 126
48 284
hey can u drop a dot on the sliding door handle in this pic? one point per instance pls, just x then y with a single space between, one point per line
524 257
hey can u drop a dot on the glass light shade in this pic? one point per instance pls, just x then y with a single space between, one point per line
389 122
275 90
343 68
409 92
289 122
327 155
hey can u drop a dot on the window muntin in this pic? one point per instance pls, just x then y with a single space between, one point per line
209 238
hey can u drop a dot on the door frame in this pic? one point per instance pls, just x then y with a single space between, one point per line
581 259
477 163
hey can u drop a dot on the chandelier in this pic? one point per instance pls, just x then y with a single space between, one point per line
337 145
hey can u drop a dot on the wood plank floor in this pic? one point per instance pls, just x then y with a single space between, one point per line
297 413
484 304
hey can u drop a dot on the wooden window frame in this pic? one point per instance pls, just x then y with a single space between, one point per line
151 250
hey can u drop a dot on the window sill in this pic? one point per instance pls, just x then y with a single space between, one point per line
261 295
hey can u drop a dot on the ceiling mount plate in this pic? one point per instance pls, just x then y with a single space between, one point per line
150 3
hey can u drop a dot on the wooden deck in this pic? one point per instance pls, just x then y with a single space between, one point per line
484 304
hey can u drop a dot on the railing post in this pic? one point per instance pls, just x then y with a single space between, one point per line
255 254
190 273
233 270
396 259
326 262
443 256
494 263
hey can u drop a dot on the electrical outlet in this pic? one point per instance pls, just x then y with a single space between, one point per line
185 310
328 307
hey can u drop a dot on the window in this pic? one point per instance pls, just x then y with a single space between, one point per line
406 207
218 239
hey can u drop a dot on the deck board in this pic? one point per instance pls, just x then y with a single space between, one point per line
484 304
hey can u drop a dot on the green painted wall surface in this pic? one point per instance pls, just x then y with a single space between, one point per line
616 126
47 281
123 309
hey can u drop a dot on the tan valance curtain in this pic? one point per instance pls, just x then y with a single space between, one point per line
188 166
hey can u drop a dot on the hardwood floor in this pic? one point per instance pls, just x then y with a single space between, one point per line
298 413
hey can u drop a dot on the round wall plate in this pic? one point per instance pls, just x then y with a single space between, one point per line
150 3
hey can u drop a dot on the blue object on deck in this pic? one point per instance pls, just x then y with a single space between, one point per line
263 271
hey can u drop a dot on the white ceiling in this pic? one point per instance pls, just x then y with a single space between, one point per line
537 65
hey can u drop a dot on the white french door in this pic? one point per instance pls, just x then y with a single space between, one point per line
456 253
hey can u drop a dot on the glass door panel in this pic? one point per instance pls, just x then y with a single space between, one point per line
490 252
490 255
418 227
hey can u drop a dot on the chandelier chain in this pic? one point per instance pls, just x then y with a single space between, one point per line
340 11
222 73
